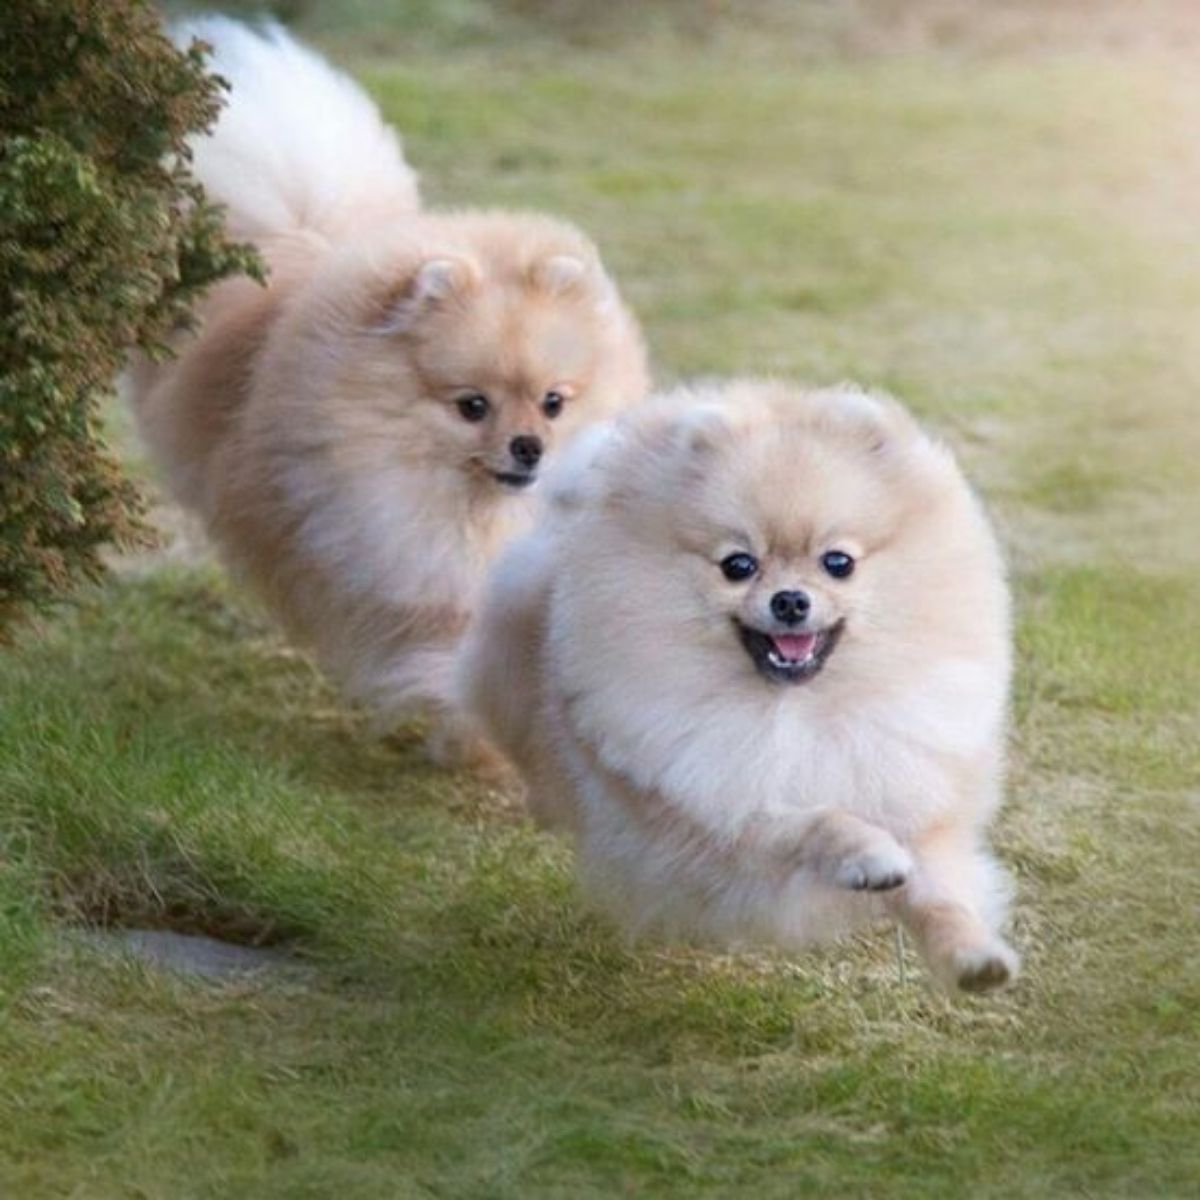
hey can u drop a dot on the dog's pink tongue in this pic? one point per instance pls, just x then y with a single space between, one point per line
795 647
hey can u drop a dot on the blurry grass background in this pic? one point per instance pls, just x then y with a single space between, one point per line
989 208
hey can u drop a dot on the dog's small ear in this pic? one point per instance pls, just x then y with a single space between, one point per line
702 429
569 275
681 441
439 278
874 419
684 427
560 274
434 282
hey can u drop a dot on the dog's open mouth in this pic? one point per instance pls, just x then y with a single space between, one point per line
514 479
789 657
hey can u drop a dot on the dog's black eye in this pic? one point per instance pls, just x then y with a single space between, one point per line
474 407
552 404
837 563
736 567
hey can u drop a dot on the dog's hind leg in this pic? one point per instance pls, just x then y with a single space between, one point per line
952 904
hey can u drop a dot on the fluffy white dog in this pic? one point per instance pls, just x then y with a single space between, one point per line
755 659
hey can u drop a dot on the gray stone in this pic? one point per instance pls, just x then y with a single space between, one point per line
190 953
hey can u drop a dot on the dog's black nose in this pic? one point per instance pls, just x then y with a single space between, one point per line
526 450
790 607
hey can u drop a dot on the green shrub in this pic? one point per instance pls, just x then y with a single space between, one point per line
105 242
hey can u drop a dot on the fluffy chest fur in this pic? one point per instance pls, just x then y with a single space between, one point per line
735 751
399 532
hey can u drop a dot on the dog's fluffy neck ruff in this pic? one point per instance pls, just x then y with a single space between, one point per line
749 747
426 533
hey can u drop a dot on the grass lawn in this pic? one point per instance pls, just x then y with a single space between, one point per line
1008 242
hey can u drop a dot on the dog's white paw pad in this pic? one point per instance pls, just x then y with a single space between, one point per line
985 968
875 871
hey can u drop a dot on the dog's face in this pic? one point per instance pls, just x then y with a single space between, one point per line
788 542
789 550
501 370
786 621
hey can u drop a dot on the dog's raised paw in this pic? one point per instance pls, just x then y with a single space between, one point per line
985 968
880 870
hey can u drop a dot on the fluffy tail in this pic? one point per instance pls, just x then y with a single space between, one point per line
299 145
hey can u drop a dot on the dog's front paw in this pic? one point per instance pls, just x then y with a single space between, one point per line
982 968
881 868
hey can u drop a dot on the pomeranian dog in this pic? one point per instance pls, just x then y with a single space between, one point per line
361 435
755 658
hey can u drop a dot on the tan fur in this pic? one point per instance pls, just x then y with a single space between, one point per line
313 424
707 799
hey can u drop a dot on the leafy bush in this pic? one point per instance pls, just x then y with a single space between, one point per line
105 242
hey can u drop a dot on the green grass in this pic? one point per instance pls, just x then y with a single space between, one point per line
1011 245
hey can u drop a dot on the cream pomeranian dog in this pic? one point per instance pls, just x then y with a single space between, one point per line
755 658
359 437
